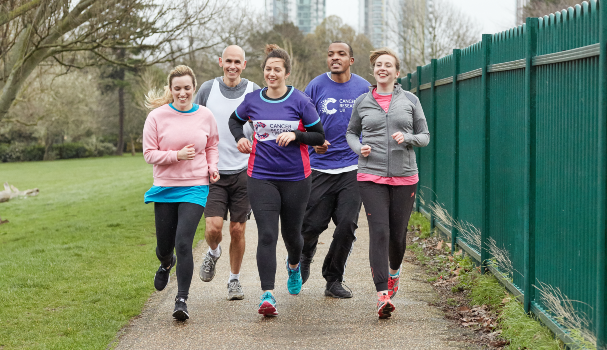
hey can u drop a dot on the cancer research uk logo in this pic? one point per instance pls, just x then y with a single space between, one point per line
324 108
266 130
344 105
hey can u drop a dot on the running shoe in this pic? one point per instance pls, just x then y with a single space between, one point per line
385 308
163 275
181 310
337 290
304 265
294 281
267 307
207 269
235 290
393 286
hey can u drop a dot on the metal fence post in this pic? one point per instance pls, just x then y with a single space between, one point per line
419 150
486 47
531 28
408 86
601 305
455 86
433 199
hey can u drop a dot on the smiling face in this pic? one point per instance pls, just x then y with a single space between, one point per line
232 62
274 73
384 70
182 89
338 58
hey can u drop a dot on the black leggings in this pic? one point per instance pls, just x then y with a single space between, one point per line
176 225
269 201
388 210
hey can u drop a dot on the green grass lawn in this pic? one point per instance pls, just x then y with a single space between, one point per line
77 261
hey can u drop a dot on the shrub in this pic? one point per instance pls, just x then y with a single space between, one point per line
105 149
70 150
12 152
33 152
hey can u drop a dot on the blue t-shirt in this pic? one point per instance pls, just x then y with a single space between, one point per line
186 194
334 102
268 161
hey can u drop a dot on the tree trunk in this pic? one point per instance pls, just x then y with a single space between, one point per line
48 146
121 74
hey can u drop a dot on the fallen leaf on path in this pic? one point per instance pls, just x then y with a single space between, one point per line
440 245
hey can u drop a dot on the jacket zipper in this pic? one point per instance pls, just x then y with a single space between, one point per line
388 131
389 135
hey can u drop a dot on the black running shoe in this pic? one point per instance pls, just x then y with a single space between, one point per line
304 266
163 275
181 310
337 290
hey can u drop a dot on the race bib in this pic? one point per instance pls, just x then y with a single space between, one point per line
266 130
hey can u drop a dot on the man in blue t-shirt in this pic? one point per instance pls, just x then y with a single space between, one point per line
334 193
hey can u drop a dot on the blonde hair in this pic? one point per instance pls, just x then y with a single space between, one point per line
384 51
157 98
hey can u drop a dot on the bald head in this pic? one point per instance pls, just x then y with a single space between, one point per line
233 50
232 62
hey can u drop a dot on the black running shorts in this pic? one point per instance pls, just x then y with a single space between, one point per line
229 193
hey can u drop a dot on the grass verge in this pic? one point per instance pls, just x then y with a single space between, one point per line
476 300
78 259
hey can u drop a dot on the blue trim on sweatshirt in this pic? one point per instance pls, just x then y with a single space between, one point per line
194 108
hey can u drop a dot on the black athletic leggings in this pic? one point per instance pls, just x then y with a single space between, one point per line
388 210
271 200
176 225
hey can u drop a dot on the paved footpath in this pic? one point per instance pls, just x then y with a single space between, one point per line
307 321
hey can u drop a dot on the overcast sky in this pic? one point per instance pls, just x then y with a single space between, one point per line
492 16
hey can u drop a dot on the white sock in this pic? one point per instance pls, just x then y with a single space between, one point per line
215 252
234 276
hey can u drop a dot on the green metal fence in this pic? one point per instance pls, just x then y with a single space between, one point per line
517 158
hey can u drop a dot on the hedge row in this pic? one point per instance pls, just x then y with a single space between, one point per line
17 152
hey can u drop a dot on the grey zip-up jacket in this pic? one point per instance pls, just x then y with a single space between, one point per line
387 157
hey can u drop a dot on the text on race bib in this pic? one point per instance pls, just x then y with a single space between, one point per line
266 130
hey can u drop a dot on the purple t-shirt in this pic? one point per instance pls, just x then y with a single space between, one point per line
334 102
268 160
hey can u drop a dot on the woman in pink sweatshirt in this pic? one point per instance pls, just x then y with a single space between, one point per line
180 139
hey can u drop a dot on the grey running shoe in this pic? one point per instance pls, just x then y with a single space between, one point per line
207 270
235 290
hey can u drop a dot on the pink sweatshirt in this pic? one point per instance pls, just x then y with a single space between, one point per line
167 131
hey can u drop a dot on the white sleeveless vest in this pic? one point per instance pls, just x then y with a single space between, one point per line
229 156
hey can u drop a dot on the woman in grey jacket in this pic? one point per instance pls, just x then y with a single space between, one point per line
391 122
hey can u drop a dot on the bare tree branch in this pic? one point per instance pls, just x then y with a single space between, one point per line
8 16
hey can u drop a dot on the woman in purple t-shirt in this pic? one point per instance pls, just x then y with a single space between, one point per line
285 122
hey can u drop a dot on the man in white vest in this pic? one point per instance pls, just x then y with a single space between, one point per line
222 95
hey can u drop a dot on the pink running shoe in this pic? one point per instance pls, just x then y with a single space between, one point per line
385 307
393 286
267 307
